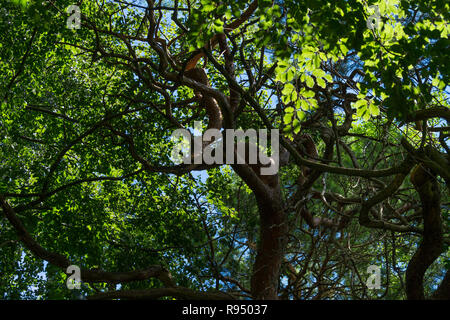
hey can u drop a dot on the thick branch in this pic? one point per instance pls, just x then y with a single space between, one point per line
62 262
432 242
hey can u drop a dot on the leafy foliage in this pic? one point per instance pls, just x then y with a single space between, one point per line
86 117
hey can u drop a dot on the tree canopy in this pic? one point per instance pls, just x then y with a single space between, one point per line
92 91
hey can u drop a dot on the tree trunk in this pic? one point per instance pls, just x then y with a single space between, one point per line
432 243
271 247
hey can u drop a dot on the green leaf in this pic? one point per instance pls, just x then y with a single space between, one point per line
288 118
321 83
308 94
300 115
360 103
288 88
296 126
310 82
374 110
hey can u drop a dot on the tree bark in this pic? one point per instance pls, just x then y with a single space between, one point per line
271 247
272 234
432 243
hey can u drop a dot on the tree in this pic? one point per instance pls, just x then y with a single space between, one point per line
357 89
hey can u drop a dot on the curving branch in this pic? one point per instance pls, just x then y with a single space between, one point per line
432 242
434 112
